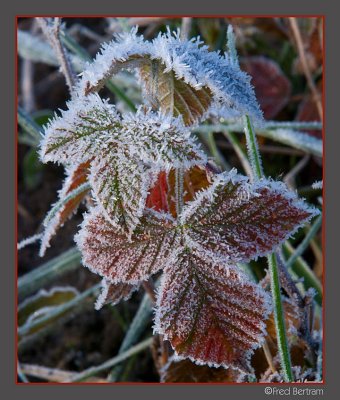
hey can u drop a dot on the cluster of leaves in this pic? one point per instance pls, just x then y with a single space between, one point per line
147 215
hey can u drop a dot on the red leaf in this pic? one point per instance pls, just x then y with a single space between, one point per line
211 313
237 221
107 251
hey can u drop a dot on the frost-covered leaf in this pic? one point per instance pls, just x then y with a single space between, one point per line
107 252
211 313
236 221
113 293
125 153
76 176
120 186
181 77
83 131
172 95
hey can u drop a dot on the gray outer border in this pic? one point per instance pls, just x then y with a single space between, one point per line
7 168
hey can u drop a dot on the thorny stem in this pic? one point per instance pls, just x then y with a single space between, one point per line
52 32
280 329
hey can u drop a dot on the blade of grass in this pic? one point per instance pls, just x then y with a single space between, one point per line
48 272
113 361
239 151
29 126
59 310
305 243
136 328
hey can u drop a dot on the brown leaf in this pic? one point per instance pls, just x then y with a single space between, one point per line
113 293
211 313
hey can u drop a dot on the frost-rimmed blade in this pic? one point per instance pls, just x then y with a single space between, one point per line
120 186
107 251
76 176
236 221
179 77
162 140
81 132
113 293
211 313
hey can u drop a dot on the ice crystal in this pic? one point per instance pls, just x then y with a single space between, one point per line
179 76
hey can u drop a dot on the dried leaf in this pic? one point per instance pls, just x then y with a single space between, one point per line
236 221
211 313
172 95
107 252
114 293
76 176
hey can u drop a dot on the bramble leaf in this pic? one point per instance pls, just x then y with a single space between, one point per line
107 252
113 293
76 176
211 313
180 77
236 221
125 154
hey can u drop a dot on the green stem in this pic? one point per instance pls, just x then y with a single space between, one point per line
255 160
279 319
253 151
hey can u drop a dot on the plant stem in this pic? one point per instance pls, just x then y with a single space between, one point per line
253 151
179 175
283 348
113 361
279 319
